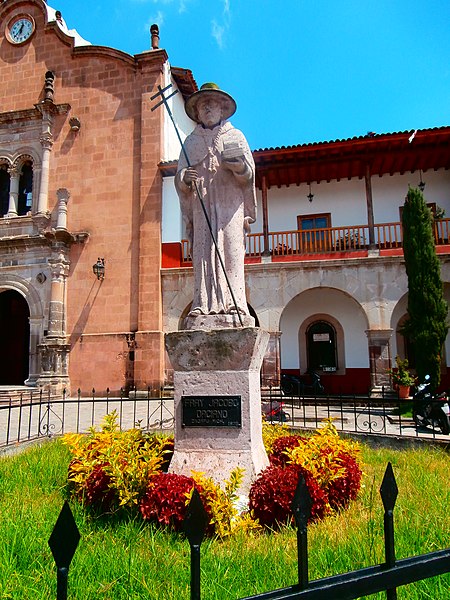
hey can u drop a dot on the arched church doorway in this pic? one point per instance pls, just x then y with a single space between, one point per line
14 338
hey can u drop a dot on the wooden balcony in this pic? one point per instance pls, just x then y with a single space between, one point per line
330 242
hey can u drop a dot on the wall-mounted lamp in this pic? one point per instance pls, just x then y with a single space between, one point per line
310 196
421 184
99 269
74 123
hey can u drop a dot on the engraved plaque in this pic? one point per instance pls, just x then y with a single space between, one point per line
211 411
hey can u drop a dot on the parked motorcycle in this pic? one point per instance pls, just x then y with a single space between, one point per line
274 411
431 410
291 385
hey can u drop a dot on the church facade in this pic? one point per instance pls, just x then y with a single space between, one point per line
80 187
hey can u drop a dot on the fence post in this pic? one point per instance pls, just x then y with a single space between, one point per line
63 542
389 492
194 526
301 507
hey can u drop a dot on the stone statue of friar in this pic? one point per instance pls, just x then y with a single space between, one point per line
223 168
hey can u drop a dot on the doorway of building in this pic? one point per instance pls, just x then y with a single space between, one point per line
14 338
321 347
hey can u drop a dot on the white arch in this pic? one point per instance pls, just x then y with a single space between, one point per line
341 307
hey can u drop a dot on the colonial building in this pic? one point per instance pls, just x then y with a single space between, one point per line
79 185
94 266
325 272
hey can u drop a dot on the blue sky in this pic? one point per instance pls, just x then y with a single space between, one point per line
300 71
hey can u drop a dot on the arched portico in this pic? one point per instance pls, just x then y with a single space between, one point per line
22 296
15 338
347 323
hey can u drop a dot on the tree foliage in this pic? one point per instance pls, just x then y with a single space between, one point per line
426 326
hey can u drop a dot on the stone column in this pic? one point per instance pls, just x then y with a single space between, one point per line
13 192
59 266
270 371
63 198
35 334
47 144
54 351
379 356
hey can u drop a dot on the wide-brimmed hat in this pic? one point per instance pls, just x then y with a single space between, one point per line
210 89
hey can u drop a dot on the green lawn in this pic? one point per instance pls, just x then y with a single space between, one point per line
126 559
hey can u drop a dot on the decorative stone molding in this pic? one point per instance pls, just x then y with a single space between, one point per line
20 160
46 140
54 360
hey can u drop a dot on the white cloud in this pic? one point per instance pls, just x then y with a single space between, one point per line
158 19
220 29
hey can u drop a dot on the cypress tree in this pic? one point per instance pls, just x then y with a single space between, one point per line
426 326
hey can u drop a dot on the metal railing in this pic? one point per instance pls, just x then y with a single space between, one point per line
30 416
39 415
385 414
330 240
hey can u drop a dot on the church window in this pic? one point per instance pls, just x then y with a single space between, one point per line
25 198
4 188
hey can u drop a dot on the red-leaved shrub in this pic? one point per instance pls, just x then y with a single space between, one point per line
278 457
164 501
271 495
97 490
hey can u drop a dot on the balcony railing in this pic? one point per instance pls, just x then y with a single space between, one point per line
330 240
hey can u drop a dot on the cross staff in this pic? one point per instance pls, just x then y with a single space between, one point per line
197 189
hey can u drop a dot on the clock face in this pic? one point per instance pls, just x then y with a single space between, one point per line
21 30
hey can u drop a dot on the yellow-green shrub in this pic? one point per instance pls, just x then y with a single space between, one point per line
271 432
110 468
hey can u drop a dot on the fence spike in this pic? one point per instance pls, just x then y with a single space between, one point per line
194 526
63 542
301 503
389 489
196 520
301 507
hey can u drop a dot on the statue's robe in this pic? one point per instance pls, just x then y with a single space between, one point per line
229 200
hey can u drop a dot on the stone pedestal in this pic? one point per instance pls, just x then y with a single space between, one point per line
218 422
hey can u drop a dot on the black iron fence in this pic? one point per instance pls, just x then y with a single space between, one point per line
386 577
33 415
384 414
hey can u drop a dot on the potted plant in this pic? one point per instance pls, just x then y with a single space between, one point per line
402 377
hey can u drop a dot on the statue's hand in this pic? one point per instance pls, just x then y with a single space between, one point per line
190 176
236 165
247 221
